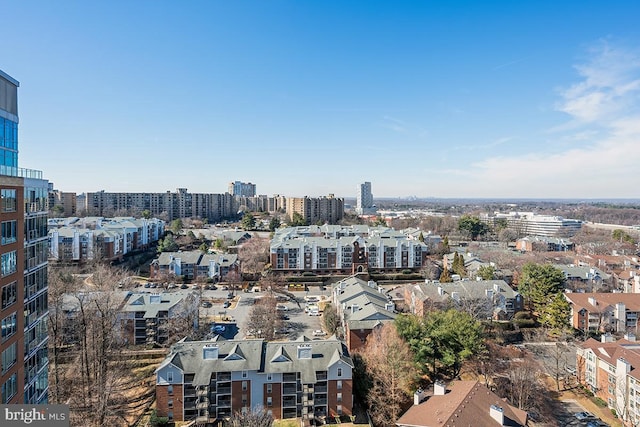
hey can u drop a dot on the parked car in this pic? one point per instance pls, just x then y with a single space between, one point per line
230 295
597 423
226 304
218 329
206 304
583 415
319 333
281 307
284 317
183 286
147 285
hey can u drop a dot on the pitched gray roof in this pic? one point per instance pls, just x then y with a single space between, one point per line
468 289
152 303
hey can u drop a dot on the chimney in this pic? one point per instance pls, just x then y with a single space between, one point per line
607 338
439 388
497 413
440 291
418 396
592 301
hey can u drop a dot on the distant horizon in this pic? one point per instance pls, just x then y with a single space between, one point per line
489 100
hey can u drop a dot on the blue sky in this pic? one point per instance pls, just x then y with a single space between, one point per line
432 99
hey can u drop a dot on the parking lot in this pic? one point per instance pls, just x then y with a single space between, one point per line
299 323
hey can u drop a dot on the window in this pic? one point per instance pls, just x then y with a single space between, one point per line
339 372
339 385
8 200
9 232
9 388
170 376
339 409
244 386
170 403
9 326
244 374
9 294
9 263
170 389
9 357
269 401
269 388
244 399
339 397
269 377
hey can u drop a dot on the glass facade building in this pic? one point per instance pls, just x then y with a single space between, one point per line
23 265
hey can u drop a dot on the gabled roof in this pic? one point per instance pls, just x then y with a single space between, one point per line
186 257
610 352
466 403
467 289
152 303
602 301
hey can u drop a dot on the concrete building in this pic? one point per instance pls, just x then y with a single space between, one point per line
364 200
63 203
181 204
194 264
208 381
316 210
345 250
23 275
245 189
604 312
531 224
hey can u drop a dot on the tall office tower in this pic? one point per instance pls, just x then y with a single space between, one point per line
23 267
238 188
364 199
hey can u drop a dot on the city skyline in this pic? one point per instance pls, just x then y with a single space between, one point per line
466 100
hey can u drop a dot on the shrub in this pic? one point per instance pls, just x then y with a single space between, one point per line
308 273
599 402
522 315
525 323
157 421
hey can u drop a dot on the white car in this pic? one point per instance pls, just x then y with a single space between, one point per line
319 333
281 307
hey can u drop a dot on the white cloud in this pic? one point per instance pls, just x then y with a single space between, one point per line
604 157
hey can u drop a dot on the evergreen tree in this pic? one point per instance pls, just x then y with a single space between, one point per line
445 276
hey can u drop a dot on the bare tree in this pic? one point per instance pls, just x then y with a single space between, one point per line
257 416
254 255
393 375
264 319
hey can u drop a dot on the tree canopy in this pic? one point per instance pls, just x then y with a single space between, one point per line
539 283
473 226
297 219
248 221
176 226
441 341
486 272
274 224
554 315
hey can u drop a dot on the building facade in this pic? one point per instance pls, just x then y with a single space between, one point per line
208 381
328 209
246 189
63 203
194 264
604 312
345 250
23 272
364 199
531 224
169 206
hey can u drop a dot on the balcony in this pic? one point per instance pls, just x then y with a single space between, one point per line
321 401
226 376
290 389
224 390
203 403
224 403
289 402
201 391
321 389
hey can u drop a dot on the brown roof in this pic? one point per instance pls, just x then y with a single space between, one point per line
603 300
466 403
610 352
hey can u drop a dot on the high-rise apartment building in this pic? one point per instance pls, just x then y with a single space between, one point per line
23 267
238 188
316 210
364 199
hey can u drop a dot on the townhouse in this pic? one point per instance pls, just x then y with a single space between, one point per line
604 312
483 298
362 306
544 244
208 381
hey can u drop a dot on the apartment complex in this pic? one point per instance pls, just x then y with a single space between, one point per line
345 249
484 298
23 271
208 381
604 312
246 189
364 199
150 318
328 209
169 206
531 224
96 238
64 203
194 264
362 306
609 369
